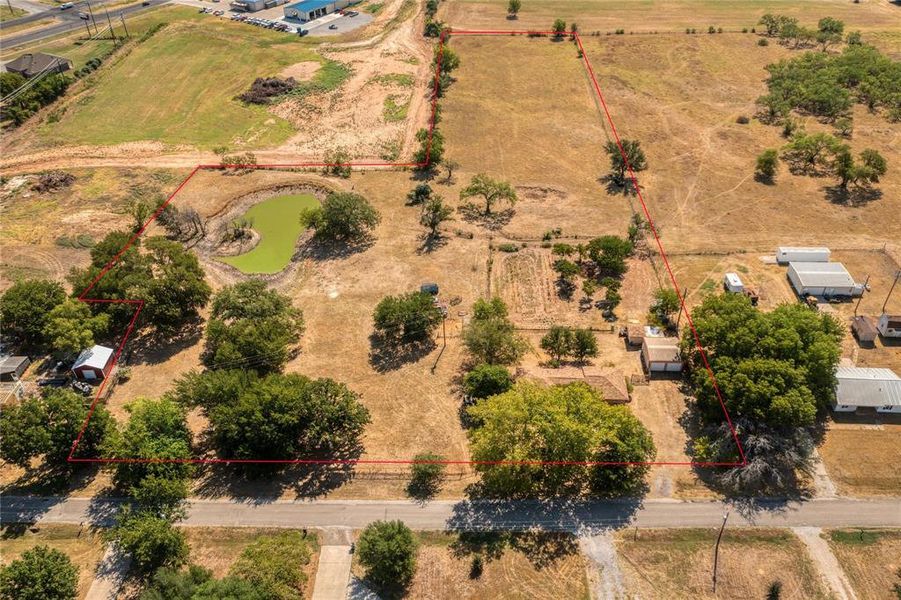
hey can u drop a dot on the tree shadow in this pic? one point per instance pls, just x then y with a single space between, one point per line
565 289
324 250
853 196
491 221
764 179
615 187
155 348
429 243
389 355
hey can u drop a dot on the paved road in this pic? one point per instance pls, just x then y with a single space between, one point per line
465 515
71 21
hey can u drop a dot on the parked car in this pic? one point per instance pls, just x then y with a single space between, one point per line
82 387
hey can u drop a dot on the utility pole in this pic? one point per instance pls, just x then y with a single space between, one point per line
93 20
122 18
9 4
892 289
716 551
110 22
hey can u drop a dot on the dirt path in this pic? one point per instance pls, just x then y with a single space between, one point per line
826 563
604 575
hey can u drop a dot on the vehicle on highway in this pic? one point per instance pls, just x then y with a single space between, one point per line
66 5
333 26
83 16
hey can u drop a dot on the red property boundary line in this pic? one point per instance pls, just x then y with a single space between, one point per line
139 304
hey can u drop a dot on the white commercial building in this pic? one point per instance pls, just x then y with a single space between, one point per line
823 280
869 388
787 254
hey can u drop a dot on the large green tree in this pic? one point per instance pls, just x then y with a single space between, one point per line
151 541
490 337
387 551
407 319
41 573
71 327
251 327
279 416
25 308
343 216
490 190
631 155
48 425
531 424
609 253
274 565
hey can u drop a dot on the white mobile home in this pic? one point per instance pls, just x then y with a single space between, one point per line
867 388
733 283
787 254
823 280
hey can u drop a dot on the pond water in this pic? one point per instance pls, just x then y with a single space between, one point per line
277 221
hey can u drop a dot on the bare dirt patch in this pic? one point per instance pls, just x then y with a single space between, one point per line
301 71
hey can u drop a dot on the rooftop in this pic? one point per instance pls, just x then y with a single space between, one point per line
822 274
308 5
662 349
859 386
96 357
33 63
611 384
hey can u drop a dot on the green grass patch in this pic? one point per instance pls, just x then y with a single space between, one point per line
374 8
329 77
401 79
856 537
180 87
277 221
393 112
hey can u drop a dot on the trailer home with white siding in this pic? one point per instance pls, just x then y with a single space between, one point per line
787 254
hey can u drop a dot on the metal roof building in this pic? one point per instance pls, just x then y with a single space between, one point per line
93 363
824 279
867 387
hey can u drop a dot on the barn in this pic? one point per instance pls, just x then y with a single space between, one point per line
859 387
823 280
661 354
93 363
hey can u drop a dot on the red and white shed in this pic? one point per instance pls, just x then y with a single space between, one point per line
93 363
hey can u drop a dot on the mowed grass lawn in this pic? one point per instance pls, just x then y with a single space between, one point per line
179 87
277 221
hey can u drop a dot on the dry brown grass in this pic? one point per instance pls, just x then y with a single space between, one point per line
534 566
677 563
862 457
664 15
871 559
83 546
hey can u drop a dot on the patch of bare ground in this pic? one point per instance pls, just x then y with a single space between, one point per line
677 563
301 71
870 558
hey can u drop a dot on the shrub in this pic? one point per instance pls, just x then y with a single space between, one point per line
487 380
387 550
508 247
264 89
426 475
273 565
763 42
743 120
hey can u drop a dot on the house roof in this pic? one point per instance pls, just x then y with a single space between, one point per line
9 364
97 357
33 63
662 349
611 384
859 386
822 274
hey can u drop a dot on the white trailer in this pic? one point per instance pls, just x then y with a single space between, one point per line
787 254
733 283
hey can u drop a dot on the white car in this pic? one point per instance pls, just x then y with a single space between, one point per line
66 5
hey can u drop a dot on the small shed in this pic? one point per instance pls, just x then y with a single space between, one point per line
661 355
733 283
787 254
864 329
889 325
93 363
634 335
12 367
823 280
859 387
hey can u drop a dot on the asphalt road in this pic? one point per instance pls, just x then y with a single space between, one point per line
583 518
70 21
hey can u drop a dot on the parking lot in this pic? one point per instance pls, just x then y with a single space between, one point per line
274 18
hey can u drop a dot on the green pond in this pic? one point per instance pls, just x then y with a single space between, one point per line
277 221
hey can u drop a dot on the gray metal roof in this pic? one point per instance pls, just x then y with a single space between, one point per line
96 357
662 349
822 274
858 386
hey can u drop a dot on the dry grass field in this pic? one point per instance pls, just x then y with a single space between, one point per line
871 559
665 15
83 546
677 563
861 456
521 566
